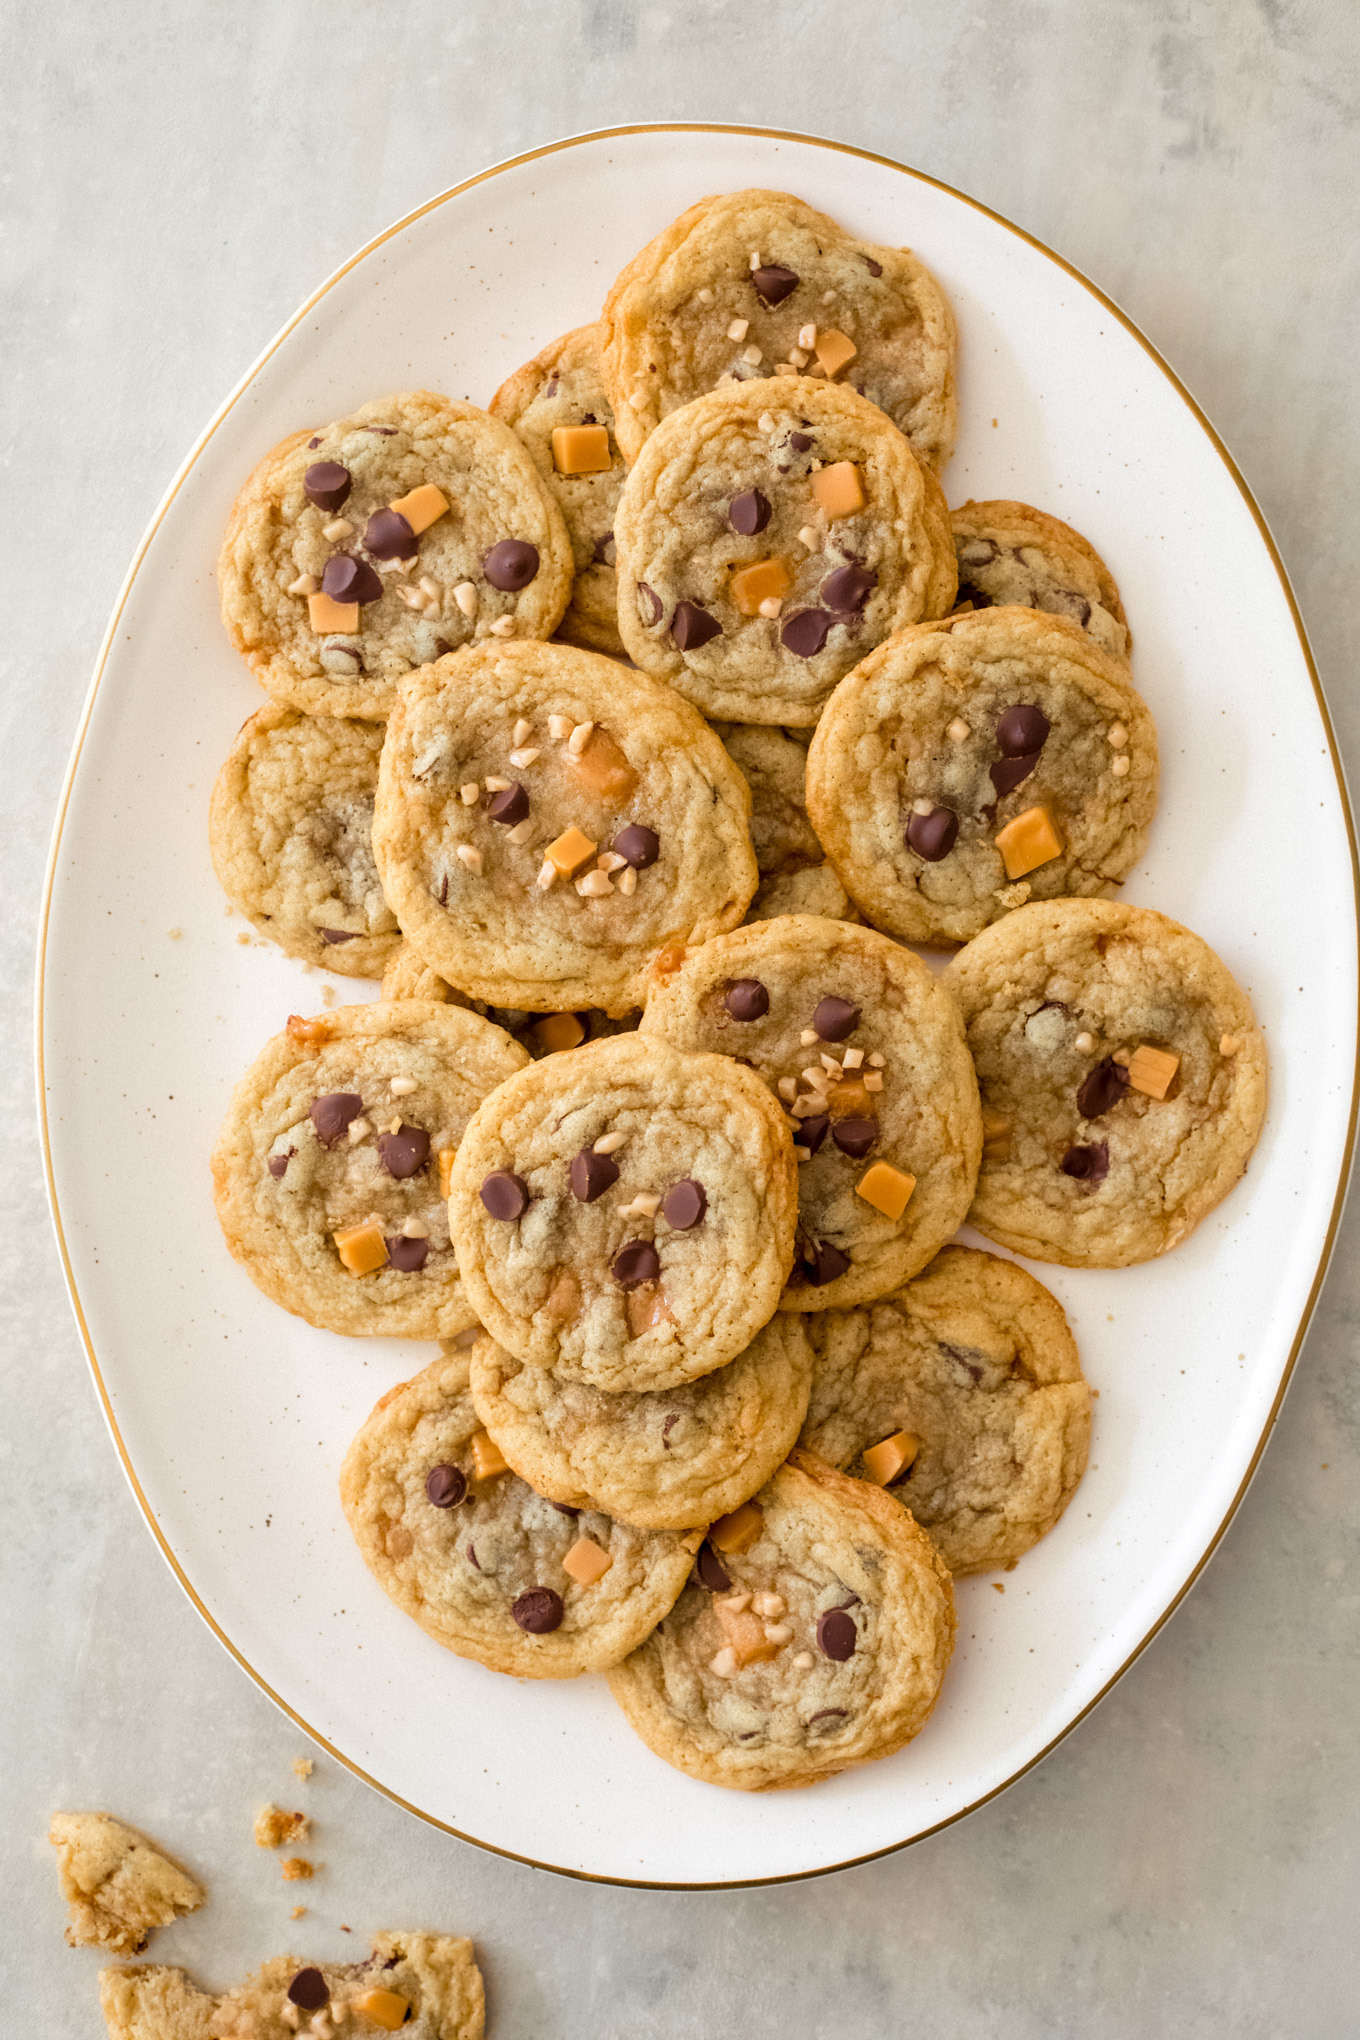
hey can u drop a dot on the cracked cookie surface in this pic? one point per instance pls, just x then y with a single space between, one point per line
967 767
975 1363
340 1126
625 1214
1123 1080
476 1558
760 274
819 1645
795 494
1012 555
371 480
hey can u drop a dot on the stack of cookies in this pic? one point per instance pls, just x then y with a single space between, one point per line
629 732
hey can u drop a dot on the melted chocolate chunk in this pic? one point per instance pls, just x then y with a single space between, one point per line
327 484
1101 1088
511 564
408 1257
747 999
848 588
509 806
637 846
539 1611
834 1019
692 626
591 1175
684 1205
710 1571
1022 731
347 579
806 631
854 1137
505 1196
278 1164
1008 773
635 1264
649 604
1087 1164
874 268
309 1990
801 442
473 1558
332 1114
334 935
749 513
773 283
812 1132
933 836
446 1486
405 1152
388 536
837 1635
822 1263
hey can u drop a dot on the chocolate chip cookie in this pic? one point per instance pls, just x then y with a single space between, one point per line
289 828
1123 1080
962 1395
557 405
407 977
330 1172
755 285
813 1636
670 1459
866 1055
427 1985
768 536
625 1214
794 875
364 548
547 822
1011 554
119 1886
487 1567
969 766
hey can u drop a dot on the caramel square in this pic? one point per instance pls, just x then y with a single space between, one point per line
580 449
603 770
1152 1071
487 1458
738 1532
383 2007
839 488
570 852
763 581
834 351
327 614
744 1635
1029 841
362 1248
422 508
883 1463
586 1562
886 1188
557 1031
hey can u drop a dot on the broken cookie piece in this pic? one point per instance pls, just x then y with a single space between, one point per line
119 1886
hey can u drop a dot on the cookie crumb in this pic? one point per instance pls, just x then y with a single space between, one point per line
302 1767
997 1588
117 1883
298 1912
273 1827
296 1868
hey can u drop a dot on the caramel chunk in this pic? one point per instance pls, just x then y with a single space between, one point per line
557 1031
647 1307
383 2007
362 1248
744 1635
580 449
738 1531
308 1033
447 1157
586 1562
603 769
995 1131
762 581
839 488
883 1463
886 1188
487 1458
1152 1070
1029 841
562 1304
329 615
569 852
834 350
422 508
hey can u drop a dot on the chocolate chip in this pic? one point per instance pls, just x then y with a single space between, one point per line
834 1019
1022 731
976 552
408 1257
565 1509
637 846
749 513
635 1264
511 564
801 442
334 935
822 1263
346 579
388 536
971 596
405 1152
874 268
747 999
591 1175
812 1132
509 806
279 1163
539 1611
933 836
312 444
505 1196
849 588
332 1114
1087 1164
837 1635
666 1429
1102 1088
774 283
601 552
684 1205
692 626
854 1136
806 632
711 1571
382 431
649 604
446 1486
472 1555
1008 773
327 484
828 1714
309 1990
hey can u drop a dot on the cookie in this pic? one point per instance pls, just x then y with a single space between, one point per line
330 1169
865 1052
804 889
289 828
487 1567
813 1636
1013 555
767 537
557 405
625 1214
548 822
118 1885
754 284
425 1985
373 545
669 1459
963 1396
1123 1080
794 876
969 766
407 977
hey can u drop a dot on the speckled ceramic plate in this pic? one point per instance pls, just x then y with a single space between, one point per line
232 1418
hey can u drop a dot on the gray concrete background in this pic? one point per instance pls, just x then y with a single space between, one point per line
176 179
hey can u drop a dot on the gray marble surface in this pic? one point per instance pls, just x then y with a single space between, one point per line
176 179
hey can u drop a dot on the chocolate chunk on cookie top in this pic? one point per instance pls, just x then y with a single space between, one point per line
757 286
813 1635
659 1224
864 1053
1011 555
375 544
486 1566
769 536
966 767
1123 1080
547 822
